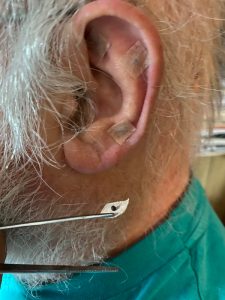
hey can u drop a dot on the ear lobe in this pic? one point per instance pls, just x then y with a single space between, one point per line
125 57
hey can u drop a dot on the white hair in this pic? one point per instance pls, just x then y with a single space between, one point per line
32 76
33 81
30 42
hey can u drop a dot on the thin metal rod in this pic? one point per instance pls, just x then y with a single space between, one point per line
20 268
58 220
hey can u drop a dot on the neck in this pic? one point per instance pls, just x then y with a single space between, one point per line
146 213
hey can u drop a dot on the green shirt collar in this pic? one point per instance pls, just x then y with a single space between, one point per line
139 261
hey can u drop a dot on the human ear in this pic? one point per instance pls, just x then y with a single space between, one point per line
124 58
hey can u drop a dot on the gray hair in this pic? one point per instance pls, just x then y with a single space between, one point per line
34 79
32 74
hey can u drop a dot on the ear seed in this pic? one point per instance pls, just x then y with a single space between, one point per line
97 44
122 131
136 59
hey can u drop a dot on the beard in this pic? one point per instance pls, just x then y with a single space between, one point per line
25 197
70 244
73 243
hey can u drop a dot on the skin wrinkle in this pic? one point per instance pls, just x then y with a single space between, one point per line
27 51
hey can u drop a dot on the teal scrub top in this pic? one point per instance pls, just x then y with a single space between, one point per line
182 259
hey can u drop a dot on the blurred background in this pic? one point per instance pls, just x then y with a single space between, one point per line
209 167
